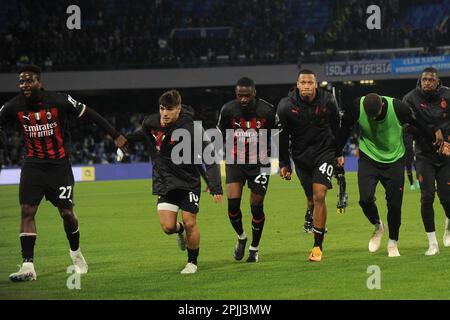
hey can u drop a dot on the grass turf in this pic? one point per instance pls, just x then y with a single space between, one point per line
130 257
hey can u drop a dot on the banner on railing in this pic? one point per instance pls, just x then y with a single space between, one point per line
357 68
417 64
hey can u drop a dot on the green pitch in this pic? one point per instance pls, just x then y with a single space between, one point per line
130 257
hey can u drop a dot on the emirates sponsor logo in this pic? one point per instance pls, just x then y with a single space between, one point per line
40 130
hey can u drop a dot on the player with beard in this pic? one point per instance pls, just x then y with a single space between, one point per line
431 101
43 117
246 117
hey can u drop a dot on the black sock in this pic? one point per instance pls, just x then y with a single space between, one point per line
318 237
27 243
181 228
74 240
236 222
72 232
257 224
192 255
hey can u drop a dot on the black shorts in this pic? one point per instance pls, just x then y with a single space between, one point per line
54 181
257 177
321 174
179 199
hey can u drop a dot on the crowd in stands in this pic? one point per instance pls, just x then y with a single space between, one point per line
164 33
140 34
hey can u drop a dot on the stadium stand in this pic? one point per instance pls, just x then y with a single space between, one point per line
118 34
175 33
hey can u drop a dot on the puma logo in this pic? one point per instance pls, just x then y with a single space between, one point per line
26 117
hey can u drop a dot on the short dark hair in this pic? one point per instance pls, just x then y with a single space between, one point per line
372 104
171 98
305 71
31 68
430 70
245 82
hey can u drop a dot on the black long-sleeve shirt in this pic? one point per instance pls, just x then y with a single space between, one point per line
168 175
433 109
307 129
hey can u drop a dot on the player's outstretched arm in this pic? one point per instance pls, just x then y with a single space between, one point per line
80 110
121 141
136 136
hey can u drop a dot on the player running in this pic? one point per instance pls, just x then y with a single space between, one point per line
177 185
43 117
246 118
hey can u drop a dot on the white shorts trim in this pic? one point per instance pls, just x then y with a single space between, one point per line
168 207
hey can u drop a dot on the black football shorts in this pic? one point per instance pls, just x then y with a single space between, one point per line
321 174
55 181
257 177
179 199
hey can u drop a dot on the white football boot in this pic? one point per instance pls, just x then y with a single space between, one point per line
25 273
393 249
375 241
190 268
79 261
433 249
